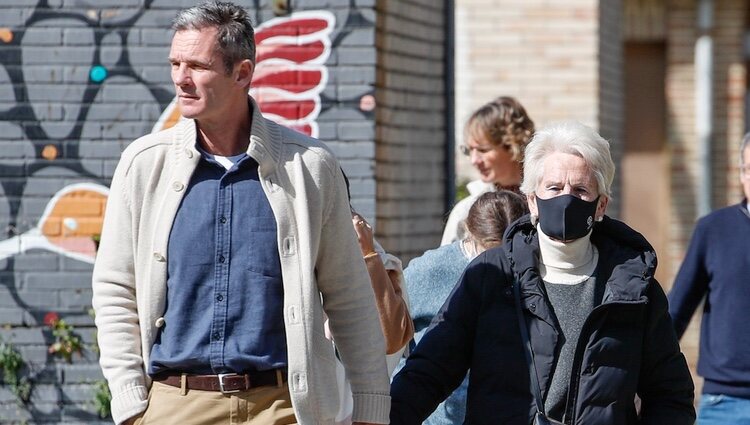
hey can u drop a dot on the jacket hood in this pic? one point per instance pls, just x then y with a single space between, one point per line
626 258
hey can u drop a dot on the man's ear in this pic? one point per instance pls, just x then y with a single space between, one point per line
245 71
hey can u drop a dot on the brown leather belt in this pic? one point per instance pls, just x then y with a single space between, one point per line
225 382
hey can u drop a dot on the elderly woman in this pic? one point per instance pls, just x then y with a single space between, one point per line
496 135
596 319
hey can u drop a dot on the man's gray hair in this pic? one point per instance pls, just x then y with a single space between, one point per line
568 137
235 37
744 145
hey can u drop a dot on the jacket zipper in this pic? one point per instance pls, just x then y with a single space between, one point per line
572 397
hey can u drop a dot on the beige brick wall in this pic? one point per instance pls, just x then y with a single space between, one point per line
410 127
611 107
562 60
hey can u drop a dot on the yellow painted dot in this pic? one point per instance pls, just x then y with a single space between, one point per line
6 35
49 152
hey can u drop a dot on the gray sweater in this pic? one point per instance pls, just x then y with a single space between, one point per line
572 304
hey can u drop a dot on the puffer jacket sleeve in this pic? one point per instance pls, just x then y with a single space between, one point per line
665 385
443 356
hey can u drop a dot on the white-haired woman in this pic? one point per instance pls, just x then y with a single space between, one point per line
595 332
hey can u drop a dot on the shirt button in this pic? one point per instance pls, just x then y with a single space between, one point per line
221 258
177 186
159 322
219 298
532 306
158 257
223 220
189 153
217 335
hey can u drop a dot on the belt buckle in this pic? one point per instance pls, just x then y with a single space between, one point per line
221 377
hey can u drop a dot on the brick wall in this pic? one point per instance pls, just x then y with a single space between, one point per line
410 119
78 82
611 107
562 60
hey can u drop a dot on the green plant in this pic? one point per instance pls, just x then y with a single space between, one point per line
12 363
67 341
102 399
102 396
461 190
94 346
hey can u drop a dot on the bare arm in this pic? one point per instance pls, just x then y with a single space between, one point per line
395 321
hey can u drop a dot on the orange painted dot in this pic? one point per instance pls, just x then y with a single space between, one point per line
6 35
49 152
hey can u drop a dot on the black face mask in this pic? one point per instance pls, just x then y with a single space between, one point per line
566 217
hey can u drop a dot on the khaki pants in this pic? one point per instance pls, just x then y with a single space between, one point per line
259 406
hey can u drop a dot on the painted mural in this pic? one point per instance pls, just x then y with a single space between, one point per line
289 78
290 74
78 84
290 71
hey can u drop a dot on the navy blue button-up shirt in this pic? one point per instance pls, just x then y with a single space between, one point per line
224 291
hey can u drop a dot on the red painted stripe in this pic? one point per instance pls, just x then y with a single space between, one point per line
293 27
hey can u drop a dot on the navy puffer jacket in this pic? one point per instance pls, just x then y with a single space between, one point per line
627 346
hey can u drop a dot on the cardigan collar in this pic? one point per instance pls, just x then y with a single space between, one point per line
265 138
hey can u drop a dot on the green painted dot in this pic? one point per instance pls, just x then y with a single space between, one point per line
98 73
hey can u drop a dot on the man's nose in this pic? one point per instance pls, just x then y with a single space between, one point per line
180 75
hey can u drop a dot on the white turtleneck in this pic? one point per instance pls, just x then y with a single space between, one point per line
566 263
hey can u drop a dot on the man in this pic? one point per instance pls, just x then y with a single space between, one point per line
224 237
716 266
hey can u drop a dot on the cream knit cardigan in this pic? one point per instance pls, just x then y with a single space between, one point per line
321 265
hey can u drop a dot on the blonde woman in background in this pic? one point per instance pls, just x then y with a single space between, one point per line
496 135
